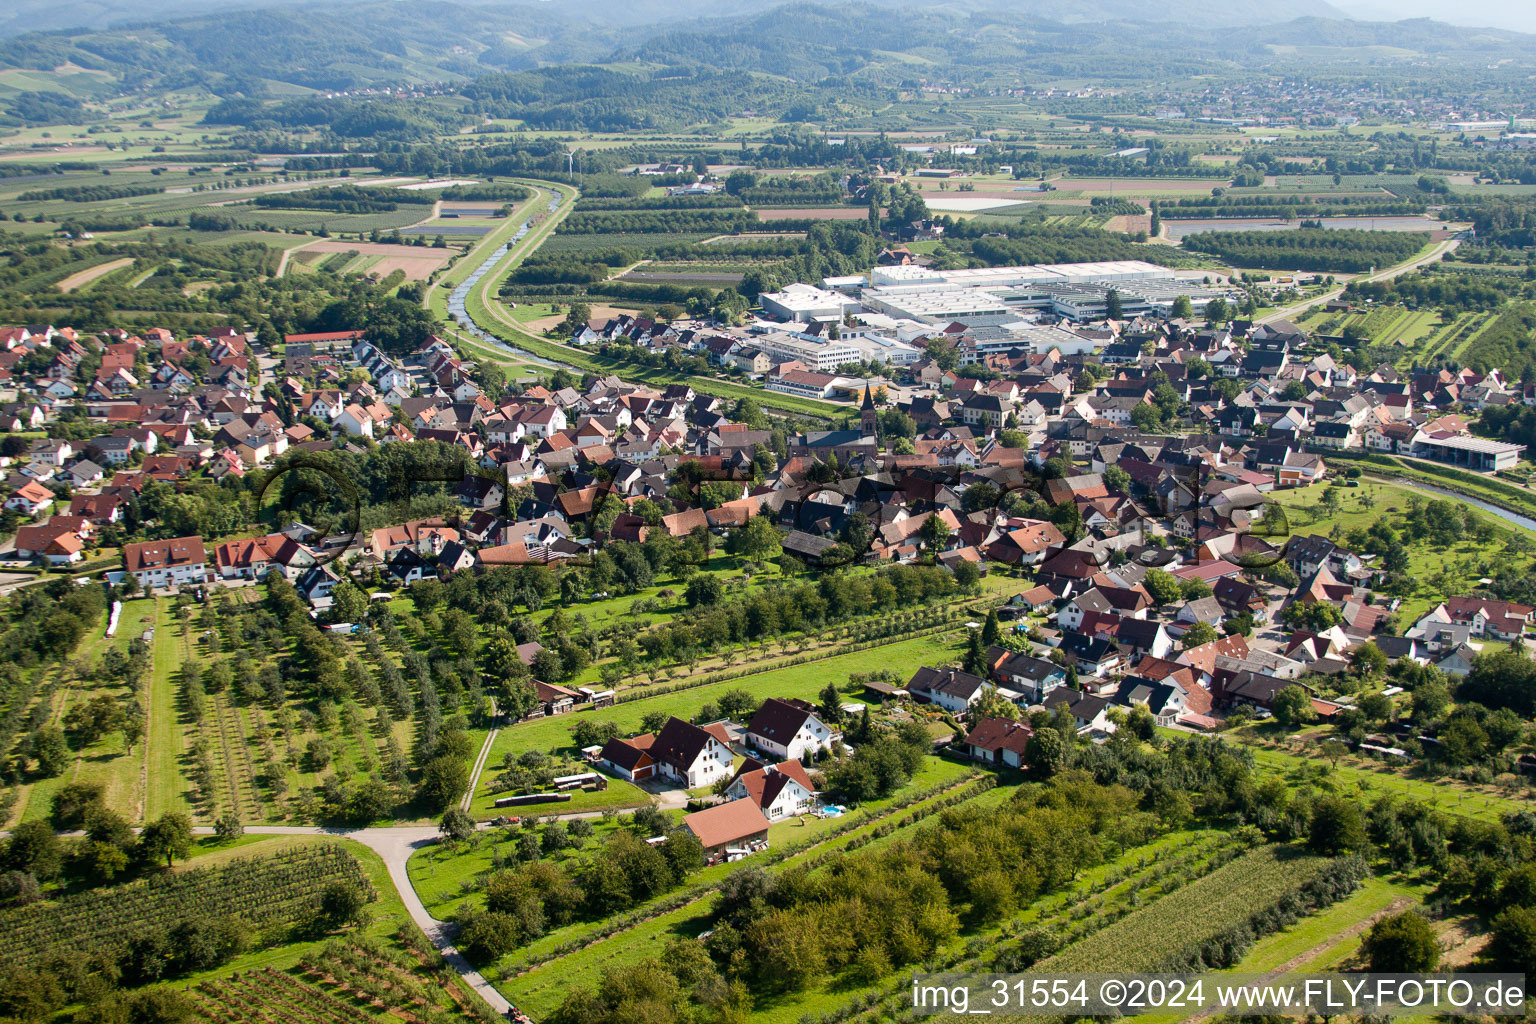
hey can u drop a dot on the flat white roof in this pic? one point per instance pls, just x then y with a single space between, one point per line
1467 442
936 303
1109 269
904 273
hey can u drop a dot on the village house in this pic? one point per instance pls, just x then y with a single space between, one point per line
689 755
167 563
998 741
730 829
789 729
949 688
780 790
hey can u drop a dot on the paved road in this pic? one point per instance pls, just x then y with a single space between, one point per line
1386 275
395 845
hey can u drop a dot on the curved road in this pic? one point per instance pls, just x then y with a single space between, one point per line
1386 275
395 845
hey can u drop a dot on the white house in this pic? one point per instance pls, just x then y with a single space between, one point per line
780 791
167 563
949 688
356 421
689 755
789 729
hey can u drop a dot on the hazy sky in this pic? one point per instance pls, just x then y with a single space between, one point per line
1519 15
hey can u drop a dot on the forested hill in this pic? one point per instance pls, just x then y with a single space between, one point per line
805 54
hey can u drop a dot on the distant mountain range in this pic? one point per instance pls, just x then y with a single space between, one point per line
341 45
23 16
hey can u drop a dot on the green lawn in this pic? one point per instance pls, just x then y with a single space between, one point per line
163 741
1375 499
1326 929
619 795
903 657
1370 781
106 762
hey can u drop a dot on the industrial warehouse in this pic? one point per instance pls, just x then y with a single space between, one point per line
989 296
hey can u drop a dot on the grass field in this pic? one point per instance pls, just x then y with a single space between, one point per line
1376 499
805 681
1371 780
107 761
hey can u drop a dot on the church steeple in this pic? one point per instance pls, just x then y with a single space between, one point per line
869 416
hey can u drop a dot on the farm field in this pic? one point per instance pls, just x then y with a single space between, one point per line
1371 780
1324 941
1146 939
773 213
106 762
262 891
79 280
272 884
383 249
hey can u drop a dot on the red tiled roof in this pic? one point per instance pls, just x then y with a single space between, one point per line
726 823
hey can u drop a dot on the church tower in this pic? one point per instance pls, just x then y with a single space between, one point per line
869 416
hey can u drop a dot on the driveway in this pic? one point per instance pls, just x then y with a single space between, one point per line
395 845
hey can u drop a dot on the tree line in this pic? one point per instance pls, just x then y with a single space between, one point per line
1339 251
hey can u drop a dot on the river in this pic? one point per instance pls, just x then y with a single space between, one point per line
1503 513
459 297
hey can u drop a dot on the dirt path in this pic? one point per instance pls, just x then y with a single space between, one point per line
282 264
1300 959
81 278
485 753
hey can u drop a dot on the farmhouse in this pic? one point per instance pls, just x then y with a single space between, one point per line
689 755
629 759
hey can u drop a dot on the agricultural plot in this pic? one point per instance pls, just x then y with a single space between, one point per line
345 980
1151 938
79 280
1370 780
262 892
106 761
217 742
449 229
770 214
1447 339
642 241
